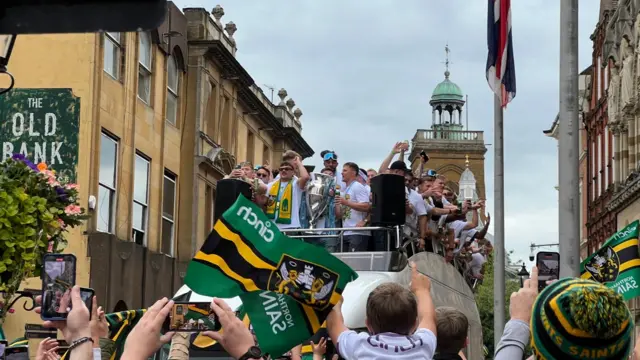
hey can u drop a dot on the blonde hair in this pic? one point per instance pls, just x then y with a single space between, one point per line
290 155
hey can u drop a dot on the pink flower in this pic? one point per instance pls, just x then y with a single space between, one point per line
52 181
50 248
11 311
72 210
61 222
72 187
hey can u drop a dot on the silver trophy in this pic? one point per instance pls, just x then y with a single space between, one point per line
317 197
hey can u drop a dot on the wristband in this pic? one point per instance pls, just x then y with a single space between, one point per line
79 342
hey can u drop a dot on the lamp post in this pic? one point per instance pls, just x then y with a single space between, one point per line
523 274
6 47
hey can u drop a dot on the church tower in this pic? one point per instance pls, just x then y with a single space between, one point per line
454 151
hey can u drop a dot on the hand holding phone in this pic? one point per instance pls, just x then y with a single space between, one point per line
58 278
548 264
191 317
424 156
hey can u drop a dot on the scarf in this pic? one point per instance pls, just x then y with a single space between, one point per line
329 217
280 210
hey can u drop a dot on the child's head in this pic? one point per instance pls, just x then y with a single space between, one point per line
392 308
452 327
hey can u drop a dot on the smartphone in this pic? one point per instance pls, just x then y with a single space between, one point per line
238 167
87 296
62 350
17 353
58 277
424 156
548 264
192 317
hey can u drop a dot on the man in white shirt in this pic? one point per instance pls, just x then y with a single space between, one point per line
286 195
354 201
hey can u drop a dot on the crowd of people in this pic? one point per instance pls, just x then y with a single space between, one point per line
569 319
436 220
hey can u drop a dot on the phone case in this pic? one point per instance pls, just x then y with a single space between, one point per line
49 257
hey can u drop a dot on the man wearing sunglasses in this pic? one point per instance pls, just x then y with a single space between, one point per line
286 193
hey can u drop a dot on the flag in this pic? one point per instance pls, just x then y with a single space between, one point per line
617 263
287 287
501 70
120 325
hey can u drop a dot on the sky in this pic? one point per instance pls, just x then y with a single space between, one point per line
362 72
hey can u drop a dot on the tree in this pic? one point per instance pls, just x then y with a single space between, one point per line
484 299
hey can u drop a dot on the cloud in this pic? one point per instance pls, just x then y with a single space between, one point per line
363 76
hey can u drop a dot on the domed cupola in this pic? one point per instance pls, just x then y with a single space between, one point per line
447 102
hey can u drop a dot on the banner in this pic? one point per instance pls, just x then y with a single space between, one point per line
617 263
287 287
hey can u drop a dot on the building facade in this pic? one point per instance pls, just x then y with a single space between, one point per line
620 48
162 116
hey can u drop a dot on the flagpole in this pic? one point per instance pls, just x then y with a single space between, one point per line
568 147
498 225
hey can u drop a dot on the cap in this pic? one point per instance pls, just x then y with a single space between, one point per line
398 165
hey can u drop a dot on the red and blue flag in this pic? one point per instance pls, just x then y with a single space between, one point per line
501 70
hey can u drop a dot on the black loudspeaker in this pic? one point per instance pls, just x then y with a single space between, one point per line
227 192
388 200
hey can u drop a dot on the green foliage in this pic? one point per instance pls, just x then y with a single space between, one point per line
35 212
484 300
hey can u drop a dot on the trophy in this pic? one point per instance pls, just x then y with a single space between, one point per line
317 197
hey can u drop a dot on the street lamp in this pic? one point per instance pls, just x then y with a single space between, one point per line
6 47
523 274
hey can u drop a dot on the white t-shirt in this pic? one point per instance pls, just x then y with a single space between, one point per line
355 192
295 206
419 209
362 346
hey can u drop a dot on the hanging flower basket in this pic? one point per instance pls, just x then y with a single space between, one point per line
36 210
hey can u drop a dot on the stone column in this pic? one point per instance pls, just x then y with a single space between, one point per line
624 151
615 129
433 117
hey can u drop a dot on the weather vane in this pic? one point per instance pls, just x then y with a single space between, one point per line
446 60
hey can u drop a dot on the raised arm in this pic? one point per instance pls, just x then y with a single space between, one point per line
387 161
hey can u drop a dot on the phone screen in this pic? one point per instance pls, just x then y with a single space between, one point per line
58 278
193 317
17 353
87 296
548 264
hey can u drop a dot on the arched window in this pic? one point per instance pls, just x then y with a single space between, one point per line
173 90
145 62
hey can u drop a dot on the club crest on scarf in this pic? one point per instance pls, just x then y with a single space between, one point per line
308 283
604 266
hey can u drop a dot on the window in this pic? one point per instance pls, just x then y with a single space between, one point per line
112 53
593 169
173 86
140 199
605 167
599 164
597 82
107 183
606 76
144 72
168 211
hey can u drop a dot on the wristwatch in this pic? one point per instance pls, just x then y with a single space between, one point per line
254 352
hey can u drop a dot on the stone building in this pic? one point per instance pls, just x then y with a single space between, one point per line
620 50
162 116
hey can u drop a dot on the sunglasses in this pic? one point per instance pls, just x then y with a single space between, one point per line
262 175
286 169
330 156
